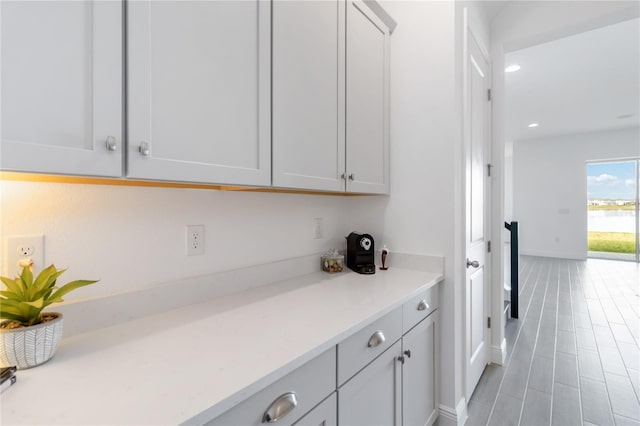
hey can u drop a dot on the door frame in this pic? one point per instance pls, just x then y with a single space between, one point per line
488 222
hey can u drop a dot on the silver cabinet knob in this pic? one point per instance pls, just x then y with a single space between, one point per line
376 339
279 408
111 143
473 263
352 176
143 149
343 176
423 305
408 353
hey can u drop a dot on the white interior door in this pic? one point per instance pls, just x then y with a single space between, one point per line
477 224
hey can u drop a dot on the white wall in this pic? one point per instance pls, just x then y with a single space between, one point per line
550 188
133 237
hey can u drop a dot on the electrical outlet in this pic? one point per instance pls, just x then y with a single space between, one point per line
195 239
318 228
23 247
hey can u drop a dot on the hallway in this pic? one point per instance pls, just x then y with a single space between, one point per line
573 356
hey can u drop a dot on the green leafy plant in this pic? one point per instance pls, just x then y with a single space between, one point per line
24 298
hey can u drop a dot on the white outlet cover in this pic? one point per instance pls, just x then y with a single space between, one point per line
13 249
194 240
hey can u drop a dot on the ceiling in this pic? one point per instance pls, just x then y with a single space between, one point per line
576 84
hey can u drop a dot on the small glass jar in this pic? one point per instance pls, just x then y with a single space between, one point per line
332 262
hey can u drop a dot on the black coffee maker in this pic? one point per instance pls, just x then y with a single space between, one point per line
360 253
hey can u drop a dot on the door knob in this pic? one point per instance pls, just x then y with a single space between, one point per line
473 263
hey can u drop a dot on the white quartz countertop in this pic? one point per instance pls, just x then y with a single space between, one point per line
193 363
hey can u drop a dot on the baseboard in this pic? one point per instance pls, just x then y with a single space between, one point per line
453 416
499 353
554 254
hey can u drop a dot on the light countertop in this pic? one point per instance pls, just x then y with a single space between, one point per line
193 363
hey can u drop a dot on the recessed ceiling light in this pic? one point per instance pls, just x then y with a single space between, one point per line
533 125
623 116
512 68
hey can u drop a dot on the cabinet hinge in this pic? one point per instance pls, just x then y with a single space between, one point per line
489 246
488 322
489 167
489 95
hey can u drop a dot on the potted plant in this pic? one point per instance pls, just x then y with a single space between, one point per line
28 336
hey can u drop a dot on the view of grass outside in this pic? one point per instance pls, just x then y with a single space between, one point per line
612 242
611 193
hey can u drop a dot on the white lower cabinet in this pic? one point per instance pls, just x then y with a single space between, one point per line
399 386
290 398
419 381
325 414
384 374
373 397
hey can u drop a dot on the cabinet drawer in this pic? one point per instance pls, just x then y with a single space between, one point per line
363 347
309 385
419 307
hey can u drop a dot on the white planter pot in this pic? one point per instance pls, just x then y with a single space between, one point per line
27 347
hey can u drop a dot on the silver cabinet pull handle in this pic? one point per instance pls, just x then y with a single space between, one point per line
474 263
423 305
111 143
376 339
279 408
144 149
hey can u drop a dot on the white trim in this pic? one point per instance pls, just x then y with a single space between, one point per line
499 353
451 416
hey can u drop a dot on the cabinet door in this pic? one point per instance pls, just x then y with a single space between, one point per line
418 374
62 87
308 94
367 123
325 414
372 397
199 91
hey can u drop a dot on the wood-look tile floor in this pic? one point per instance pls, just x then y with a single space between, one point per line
573 356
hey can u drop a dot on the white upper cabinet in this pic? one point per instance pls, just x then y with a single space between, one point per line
199 87
62 87
308 94
330 96
367 122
